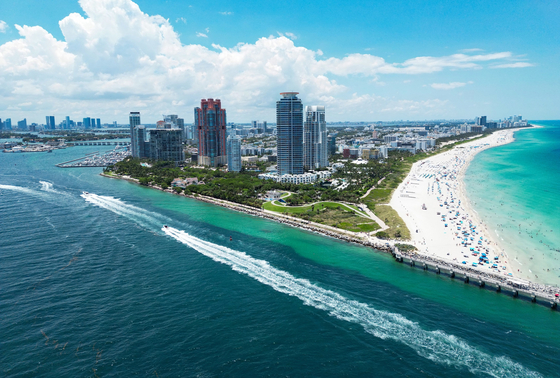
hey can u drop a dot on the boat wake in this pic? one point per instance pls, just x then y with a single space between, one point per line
434 345
47 186
22 189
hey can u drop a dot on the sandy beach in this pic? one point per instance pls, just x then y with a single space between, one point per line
433 204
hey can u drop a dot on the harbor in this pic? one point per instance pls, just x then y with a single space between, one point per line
95 159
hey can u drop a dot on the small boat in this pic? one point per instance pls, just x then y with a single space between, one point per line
85 193
230 238
165 226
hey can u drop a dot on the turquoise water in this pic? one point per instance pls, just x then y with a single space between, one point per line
96 288
516 188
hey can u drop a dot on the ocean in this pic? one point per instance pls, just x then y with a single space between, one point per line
97 287
516 188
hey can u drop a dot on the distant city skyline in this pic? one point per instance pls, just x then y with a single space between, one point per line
368 62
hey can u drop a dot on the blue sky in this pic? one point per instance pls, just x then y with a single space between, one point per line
363 60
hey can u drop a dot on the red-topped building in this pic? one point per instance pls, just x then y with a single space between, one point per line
210 123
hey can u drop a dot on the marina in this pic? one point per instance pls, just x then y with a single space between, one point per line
96 160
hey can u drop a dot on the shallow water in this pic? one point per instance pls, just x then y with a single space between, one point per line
515 188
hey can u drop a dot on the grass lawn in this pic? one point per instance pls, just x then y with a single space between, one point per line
395 222
379 195
328 213
302 209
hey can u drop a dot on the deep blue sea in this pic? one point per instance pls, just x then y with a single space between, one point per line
96 288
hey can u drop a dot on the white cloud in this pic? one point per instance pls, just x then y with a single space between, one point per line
447 86
116 59
513 65
181 19
3 26
226 13
198 34
292 36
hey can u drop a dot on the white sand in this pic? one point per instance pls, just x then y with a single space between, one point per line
439 179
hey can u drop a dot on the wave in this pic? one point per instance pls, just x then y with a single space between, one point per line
434 345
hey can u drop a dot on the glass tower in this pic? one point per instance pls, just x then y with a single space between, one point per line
315 138
134 120
289 134
234 153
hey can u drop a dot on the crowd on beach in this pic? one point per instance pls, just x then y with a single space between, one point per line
433 205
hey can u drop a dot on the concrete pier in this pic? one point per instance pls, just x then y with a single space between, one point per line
498 284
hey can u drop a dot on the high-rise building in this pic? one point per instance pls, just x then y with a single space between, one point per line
181 125
8 124
234 153
315 138
87 123
67 122
98 123
193 133
481 121
141 147
50 125
1 124
210 123
167 145
331 144
289 134
134 120
22 125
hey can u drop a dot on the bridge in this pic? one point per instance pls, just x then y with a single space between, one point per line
98 143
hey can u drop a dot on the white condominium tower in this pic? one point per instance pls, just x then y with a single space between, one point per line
315 138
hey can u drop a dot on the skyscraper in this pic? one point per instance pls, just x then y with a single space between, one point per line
166 144
8 124
87 123
67 122
234 153
22 125
141 147
98 123
315 138
289 130
481 121
181 125
210 123
50 125
134 120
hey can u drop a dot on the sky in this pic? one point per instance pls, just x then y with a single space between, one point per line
364 60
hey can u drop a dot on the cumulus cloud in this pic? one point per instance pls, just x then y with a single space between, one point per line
447 86
199 34
116 58
3 26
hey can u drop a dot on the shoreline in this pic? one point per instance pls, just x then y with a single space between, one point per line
444 176
458 236
363 239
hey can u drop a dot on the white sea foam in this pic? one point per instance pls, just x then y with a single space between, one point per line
434 345
46 186
21 189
